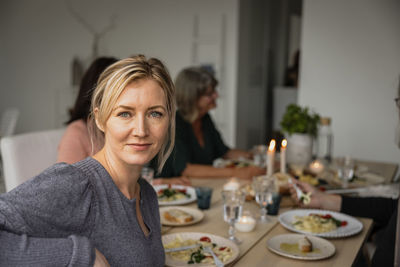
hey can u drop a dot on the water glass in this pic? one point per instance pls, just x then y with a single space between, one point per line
346 167
264 188
259 155
148 174
203 197
233 204
273 209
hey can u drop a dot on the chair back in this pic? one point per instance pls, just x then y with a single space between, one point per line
26 155
8 121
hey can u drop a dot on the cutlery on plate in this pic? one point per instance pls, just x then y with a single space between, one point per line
181 248
217 261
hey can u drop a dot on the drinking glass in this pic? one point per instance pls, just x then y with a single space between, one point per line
148 174
264 188
233 204
259 155
346 166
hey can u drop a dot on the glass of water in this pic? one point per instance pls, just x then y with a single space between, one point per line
346 166
233 203
264 188
148 174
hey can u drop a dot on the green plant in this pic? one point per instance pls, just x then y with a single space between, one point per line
299 120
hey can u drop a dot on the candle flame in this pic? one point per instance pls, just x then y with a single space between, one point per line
284 143
272 145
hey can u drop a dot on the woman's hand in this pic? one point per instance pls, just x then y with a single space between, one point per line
100 260
248 172
177 180
319 200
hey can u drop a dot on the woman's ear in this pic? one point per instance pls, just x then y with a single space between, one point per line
96 116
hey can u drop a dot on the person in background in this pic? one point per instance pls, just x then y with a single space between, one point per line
80 140
382 210
76 143
198 143
98 211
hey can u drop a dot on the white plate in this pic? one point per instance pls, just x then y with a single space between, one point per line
326 248
197 215
220 241
189 190
353 226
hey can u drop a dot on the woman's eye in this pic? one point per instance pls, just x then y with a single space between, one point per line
156 114
124 114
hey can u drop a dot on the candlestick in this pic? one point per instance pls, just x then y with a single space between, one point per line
271 157
283 155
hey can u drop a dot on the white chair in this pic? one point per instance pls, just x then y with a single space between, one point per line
8 121
26 155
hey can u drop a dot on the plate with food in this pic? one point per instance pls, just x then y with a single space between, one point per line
302 247
224 249
180 216
321 223
174 194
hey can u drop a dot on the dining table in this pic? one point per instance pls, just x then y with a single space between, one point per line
253 250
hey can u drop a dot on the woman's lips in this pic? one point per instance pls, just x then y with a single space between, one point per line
139 147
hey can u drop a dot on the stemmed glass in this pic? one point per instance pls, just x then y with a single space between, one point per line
233 203
264 188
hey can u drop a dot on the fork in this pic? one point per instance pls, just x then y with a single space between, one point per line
217 261
305 198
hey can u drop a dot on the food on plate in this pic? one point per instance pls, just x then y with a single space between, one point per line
317 223
305 244
295 248
177 216
172 194
197 255
309 179
249 192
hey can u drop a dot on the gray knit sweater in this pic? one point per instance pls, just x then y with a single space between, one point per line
58 217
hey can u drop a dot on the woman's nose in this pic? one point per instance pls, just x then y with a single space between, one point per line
140 126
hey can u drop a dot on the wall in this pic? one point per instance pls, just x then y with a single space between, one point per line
38 40
350 70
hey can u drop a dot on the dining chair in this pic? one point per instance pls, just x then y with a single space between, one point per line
26 155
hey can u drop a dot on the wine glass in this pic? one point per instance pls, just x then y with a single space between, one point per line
233 203
264 188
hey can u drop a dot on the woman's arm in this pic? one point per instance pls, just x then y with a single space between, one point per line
207 171
40 220
237 153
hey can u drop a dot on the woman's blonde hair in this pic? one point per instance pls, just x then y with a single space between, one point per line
192 83
112 83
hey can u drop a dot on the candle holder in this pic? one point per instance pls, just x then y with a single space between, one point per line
246 222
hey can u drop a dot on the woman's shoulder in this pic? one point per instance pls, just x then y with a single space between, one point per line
77 126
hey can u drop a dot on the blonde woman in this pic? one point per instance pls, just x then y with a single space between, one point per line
198 142
99 211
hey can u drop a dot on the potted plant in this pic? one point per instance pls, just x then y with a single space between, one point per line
300 126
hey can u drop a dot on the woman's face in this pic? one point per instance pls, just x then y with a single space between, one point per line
207 101
138 124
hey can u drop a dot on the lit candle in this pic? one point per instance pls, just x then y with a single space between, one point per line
283 155
233 184
245 224
271 157
316 166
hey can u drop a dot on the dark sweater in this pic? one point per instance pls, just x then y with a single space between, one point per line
188 150
384 213
60 216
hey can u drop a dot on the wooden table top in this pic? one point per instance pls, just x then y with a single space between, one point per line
253 250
